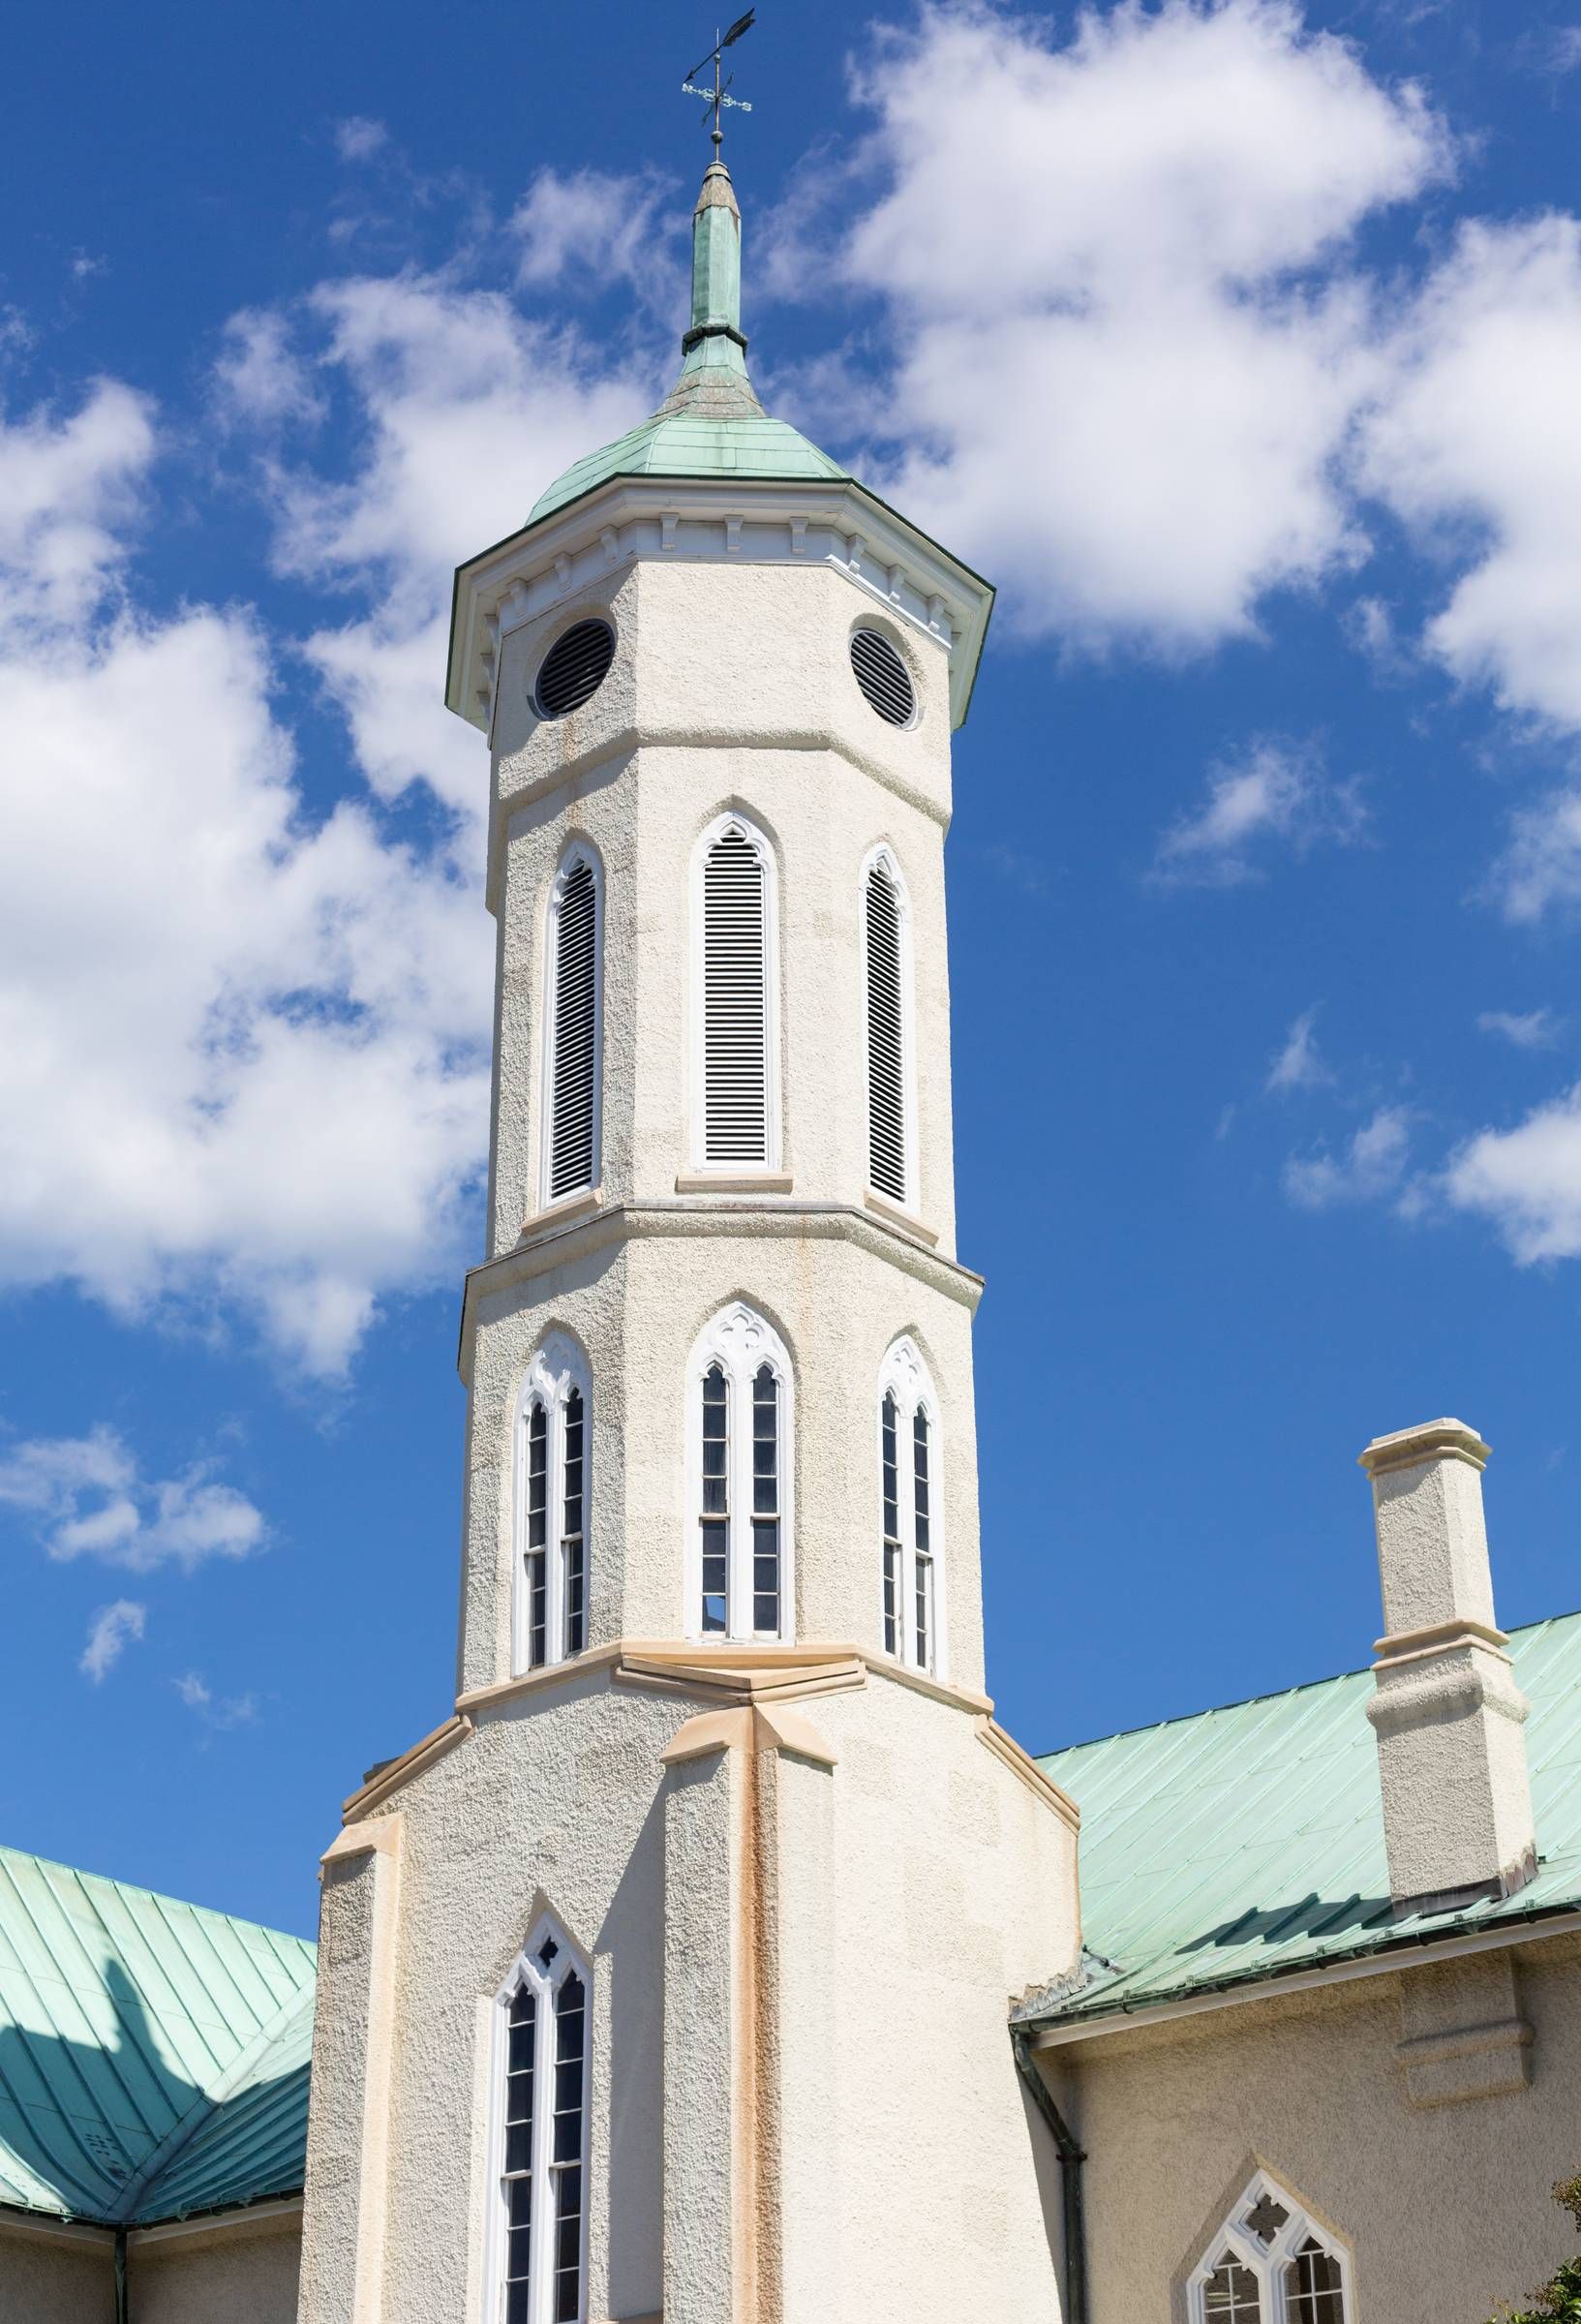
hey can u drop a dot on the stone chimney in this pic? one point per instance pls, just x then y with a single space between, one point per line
1450 1718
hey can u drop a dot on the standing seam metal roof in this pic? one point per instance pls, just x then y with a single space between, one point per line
153 2055
1247 1841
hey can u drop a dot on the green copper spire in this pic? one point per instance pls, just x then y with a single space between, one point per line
710 423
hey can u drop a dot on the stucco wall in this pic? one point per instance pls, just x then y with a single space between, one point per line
252 2279
1445 2209
55 2282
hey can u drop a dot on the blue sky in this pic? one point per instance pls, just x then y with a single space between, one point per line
1240 346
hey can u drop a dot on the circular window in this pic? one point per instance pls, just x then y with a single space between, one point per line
574 668
883 677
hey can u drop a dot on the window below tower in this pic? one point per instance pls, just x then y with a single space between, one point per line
1271 2264
735 1045
908 1504
890 1106
549 1610
739 1581
573 1027
539 2137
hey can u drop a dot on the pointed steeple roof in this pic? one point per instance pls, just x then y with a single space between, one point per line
710 423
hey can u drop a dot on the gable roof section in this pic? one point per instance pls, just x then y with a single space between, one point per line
153 2055
1248 1843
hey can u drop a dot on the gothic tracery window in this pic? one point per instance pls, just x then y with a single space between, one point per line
550 1593
909 1500
739 1427
1271 2264
539 2136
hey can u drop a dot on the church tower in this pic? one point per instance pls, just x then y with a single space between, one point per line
669 1978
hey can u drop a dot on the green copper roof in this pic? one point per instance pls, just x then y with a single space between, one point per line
153 2055
1248 1842
710 423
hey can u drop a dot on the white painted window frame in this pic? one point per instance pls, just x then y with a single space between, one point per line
883 858
733 820
904 1375
740 1340
1268 2262
577 851
558 1366
527 1969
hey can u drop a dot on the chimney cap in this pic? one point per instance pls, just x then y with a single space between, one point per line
1429 1440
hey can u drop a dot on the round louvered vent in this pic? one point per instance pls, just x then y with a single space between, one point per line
883 677
574 668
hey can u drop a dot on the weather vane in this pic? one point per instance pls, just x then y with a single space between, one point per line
714 100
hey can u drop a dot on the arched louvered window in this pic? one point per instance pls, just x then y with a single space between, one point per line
538 2137
573 1028
909 1514
739 1566
1271 2264
548 1615
736 1039
890 1128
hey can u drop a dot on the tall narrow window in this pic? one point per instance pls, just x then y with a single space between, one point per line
539 2241
1271 2264
573 1030
908 1491
549 1599
740 1581
890 1134
735 1045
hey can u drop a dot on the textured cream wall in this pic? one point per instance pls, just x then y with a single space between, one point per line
252 2279
1446 2210
636 1305
48 2283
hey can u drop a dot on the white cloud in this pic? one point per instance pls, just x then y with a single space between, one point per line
260 376
1477 441
1297 1063
1127 369
1276 794
67 486
215 1711
1539 870
358 139
1526 1182
595 224
1371 1167
110 1633
1536 1029
86 1497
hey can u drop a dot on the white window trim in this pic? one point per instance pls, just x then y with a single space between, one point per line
883 857
734 820
558 1367
527 1969
740 1340
905 1376
1268 2262
579 851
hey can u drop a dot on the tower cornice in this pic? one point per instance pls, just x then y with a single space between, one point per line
726 520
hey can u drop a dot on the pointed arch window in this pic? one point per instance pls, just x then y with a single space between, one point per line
1271 2264
739 1581
573 1027
735 1040
549 1610
891 1133
539 2135
909 1466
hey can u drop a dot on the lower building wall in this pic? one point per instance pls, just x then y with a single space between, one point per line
1444 2207
234 2274
45 2282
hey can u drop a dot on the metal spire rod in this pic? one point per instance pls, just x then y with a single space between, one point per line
715 100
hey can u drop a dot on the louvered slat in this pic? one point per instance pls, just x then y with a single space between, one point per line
576 1027
735 1014
883 677
885 1052
574 668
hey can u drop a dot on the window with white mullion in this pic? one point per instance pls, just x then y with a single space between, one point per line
921 1632
573 1502
537 1534
889 1127
908 1497
738 1460
573 1030
554 1442
1270 2263
895 1613
537 2269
